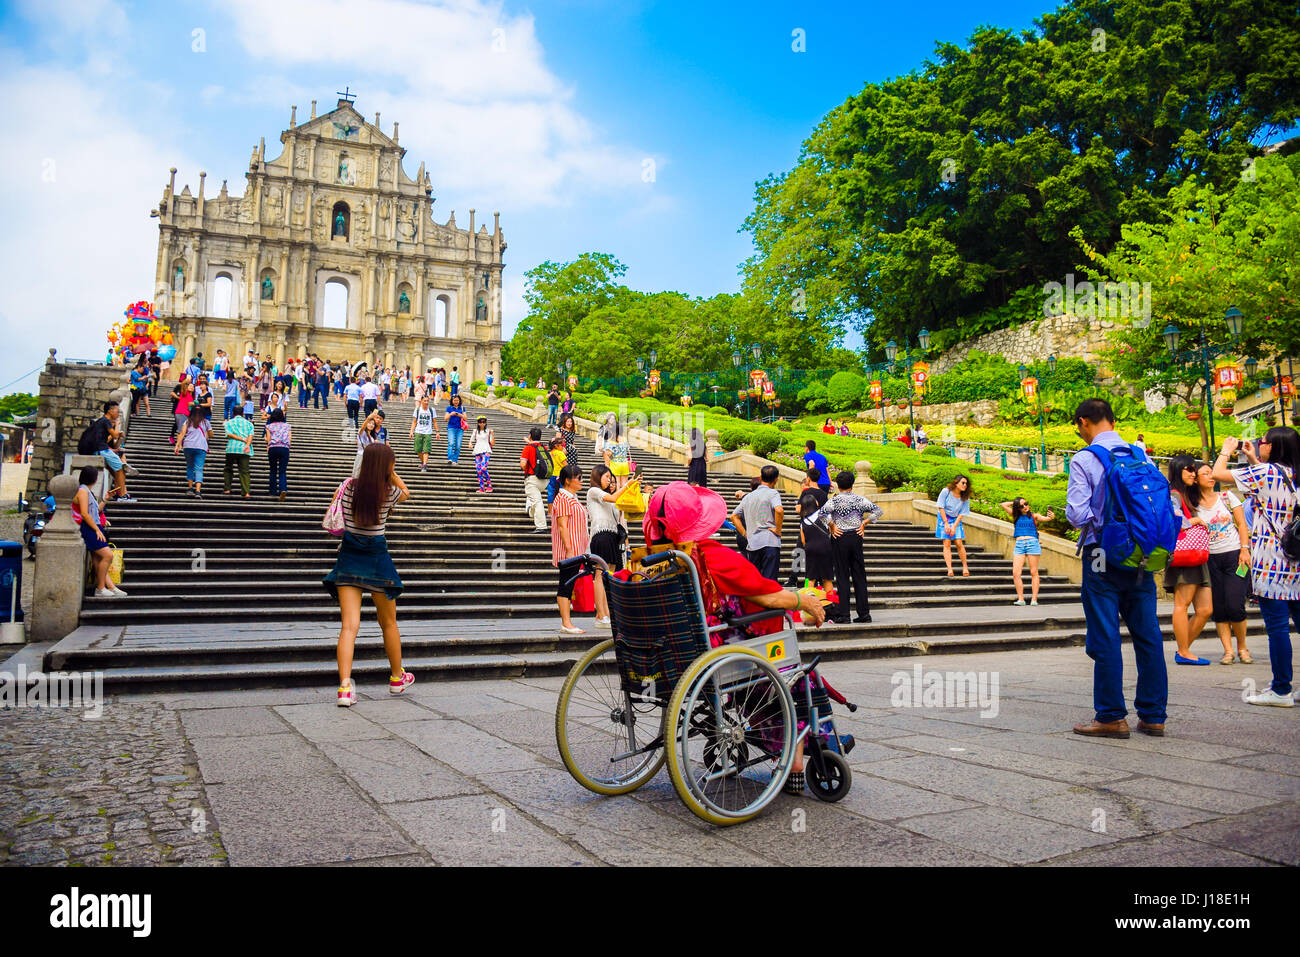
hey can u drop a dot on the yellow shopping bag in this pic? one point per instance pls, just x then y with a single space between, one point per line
115 569
630 500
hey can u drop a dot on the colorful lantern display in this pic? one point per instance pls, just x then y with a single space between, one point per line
140 332
875 390
1030 385
920 377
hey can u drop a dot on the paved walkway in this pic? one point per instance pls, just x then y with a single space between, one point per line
468 773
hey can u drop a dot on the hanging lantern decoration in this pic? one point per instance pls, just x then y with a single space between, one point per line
742 393
1030 387
653 381
875 391
920 378
1284 387
769 391
573 382
686 400
1228 378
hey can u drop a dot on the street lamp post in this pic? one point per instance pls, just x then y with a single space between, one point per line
1042 440
891 351
1203 353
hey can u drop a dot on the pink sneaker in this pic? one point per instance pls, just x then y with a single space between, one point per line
398 685
348 695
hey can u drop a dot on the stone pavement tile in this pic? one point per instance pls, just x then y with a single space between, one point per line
970 781
224 722
466 748
549 788
1190 795
1121 816
1273 834
400 860
883 800
236 699
300 820
1005 835
551 683
1278 763
392 771
1163 850
985 751
626 848
460 705
868 752
926 721
480 830
1141 758
1176 743
328 722
278 756
390 710
804 831
534 730
528 697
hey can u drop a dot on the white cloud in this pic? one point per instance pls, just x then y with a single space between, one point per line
496 128
80 244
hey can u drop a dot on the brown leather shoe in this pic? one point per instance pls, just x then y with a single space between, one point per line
1109 729
1155 730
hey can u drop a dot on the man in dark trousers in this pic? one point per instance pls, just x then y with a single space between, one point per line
848 514
759 517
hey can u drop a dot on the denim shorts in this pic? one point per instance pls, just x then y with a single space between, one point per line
111 460
363 562
1028 545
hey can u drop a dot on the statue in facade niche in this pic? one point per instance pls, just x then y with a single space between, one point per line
268 288
178 281
480 311
340 224
403 302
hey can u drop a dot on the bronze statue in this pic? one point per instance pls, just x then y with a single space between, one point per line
403 302
340 224
480 311
268 288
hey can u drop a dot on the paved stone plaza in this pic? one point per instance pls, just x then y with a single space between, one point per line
468 773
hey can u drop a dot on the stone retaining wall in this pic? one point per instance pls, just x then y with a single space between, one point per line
1066 336
71 397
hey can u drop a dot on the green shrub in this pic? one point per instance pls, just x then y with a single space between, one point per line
604 392
942 473
734 437
784 426
844 391
813 397
890 475
478 385
764 440
940 451
720 410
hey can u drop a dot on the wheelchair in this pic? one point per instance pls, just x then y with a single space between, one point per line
725 719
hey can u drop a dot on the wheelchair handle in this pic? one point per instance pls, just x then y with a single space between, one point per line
658 557
588 561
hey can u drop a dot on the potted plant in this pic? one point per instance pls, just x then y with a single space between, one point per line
1194 415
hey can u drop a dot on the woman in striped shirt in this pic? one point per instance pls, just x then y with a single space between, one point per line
364 564
568 540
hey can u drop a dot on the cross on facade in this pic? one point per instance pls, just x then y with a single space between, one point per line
347 94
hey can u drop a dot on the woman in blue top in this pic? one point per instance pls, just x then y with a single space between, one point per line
455 427
954 502
1026 522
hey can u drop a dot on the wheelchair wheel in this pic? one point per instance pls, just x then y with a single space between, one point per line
730 734
598 726
834 783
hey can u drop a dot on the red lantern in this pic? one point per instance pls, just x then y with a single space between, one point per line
875 390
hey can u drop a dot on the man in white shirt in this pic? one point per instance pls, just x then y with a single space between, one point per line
424 426
369 395
352 392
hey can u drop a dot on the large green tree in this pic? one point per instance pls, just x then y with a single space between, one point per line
939 194
1213 249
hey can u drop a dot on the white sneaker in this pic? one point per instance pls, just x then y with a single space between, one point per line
602 623
1272 699
104 593
117 591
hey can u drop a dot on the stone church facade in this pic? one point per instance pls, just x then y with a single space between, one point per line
335 207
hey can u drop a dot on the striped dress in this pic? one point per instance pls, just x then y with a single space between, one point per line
575 543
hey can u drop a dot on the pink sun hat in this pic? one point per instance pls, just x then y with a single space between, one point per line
683 513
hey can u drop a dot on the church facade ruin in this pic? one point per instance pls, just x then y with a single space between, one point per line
331 249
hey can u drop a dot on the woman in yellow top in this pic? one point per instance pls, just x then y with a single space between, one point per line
558 460
618 455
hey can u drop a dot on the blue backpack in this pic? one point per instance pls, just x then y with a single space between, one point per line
1139 526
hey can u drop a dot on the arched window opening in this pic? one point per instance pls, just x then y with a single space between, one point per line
440 317
335 315
222 291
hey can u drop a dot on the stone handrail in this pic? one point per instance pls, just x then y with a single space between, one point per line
991 534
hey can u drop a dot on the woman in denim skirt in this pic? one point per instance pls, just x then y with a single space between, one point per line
364 564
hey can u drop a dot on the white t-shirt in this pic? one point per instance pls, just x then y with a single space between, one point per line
482 442
423 421
353 392
1140 445
1222 527
370 391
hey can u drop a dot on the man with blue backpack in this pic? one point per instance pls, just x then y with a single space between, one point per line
1120 502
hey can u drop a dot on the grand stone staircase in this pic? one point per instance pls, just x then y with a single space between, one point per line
226 591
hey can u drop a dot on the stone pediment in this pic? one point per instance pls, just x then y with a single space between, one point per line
345 125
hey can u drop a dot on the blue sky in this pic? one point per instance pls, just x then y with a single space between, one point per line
554 127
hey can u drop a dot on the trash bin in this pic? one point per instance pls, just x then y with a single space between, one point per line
11 581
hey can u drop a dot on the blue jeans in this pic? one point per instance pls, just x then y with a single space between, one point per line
1275 612
231 400
194 459
277 469
322 395
453 444
1107 596
550 416
302 397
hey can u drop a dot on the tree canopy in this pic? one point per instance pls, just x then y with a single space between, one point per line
932 198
